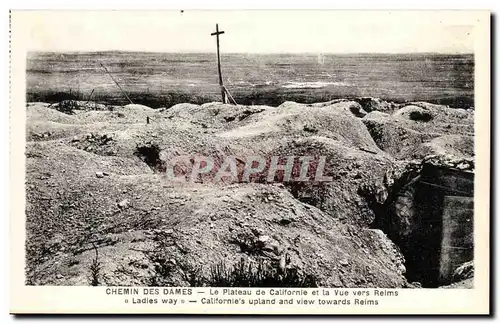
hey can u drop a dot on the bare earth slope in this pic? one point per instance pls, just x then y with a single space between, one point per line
95 183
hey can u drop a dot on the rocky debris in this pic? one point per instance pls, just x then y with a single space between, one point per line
376 104
217 115
459 146
263 239
463 272
349 170
43 135
95 143
322 229
98 139
406 139
449 161
124 204
72 106
101 174
395 139
416 284
168 231
339 104
419 129
292 120
464 284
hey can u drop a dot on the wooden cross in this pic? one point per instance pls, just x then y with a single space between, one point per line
222 91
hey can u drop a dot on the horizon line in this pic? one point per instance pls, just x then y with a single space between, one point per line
258 53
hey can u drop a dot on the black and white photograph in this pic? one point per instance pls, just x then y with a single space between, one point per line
233 150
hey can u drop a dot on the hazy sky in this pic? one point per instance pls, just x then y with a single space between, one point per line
250 31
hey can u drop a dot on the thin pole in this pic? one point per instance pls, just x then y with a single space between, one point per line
221 85
229 95
116 83
88 100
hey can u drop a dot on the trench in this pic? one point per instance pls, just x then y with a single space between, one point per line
428 214
430 218
150 154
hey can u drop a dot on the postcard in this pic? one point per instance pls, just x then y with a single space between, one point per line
250 162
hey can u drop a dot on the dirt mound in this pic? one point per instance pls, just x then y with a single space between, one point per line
448 115
213 115
292 120
450 161
394 138
148 232
89 117
376 115
95 143
44 131
72 106
44 123
38 112
417 130
376 104
136 108
341 104
350 171
97 192
414 113
456 145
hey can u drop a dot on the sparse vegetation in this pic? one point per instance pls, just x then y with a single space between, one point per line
256 274
163 270
245 273
68 106
205 228
50 96
95 269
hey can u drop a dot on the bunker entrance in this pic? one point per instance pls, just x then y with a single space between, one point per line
150 154
432 222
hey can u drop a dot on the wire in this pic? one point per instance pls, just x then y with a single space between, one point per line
443 187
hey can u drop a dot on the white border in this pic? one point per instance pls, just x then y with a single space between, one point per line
125 4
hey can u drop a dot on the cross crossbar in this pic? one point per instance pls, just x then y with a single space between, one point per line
217 33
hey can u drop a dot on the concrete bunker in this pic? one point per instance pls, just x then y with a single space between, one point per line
431 220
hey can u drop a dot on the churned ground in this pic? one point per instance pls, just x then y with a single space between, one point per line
100 209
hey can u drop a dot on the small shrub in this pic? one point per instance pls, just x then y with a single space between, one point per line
256 274
163 270
68 106
194 277
95 269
